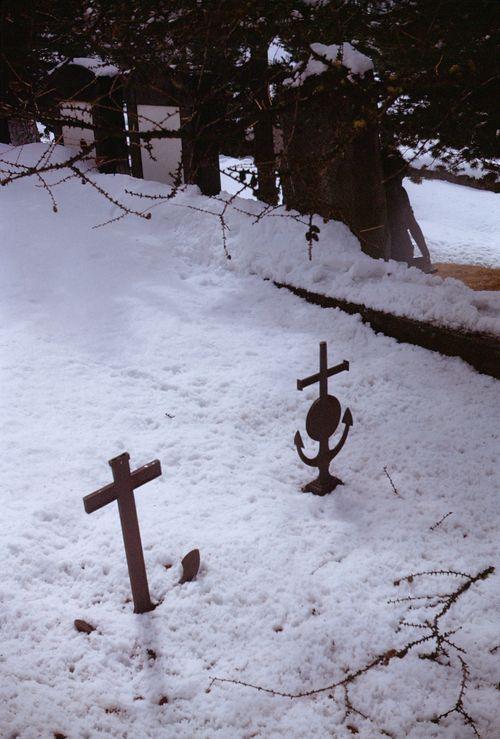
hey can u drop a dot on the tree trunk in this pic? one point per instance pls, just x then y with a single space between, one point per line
200 146
265 158
331 159
22 132
17 35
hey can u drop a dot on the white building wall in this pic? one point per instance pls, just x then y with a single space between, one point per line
73 135
167 153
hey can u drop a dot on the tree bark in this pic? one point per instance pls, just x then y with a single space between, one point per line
22 132
200 147
17 35
331 162
265 158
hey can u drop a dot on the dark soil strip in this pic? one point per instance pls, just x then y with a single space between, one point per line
479 350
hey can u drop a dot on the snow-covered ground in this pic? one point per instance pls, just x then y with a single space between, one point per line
136 337
461 224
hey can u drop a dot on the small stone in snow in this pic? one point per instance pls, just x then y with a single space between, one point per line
190 566
84 627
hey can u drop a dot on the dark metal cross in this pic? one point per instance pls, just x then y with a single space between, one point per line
122 490
321 422
324 373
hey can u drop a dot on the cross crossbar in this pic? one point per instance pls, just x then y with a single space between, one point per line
108 493
324 373
301 384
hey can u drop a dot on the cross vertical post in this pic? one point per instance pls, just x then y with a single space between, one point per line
323 369
131 534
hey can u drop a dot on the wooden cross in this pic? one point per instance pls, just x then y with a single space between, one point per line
122 490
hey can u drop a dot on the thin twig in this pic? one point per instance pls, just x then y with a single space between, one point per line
395 490
382 660
438 523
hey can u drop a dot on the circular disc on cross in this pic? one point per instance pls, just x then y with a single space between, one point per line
323 417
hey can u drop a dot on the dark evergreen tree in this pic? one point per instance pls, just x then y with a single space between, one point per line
435 79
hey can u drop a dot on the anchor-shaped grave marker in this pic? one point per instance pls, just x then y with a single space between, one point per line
321 422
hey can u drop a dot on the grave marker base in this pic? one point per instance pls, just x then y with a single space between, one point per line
322 487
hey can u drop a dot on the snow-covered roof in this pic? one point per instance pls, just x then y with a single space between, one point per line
344 54
97 66
93 64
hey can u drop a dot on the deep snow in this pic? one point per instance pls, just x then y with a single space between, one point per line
460 224
141 336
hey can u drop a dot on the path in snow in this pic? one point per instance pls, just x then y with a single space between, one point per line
461 224
105 332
